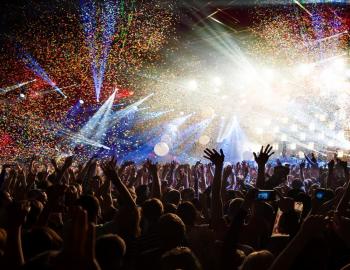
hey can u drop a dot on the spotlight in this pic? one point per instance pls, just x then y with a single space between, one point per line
217 81
304 69
339 63
283 137
268 74
81 101
340 154
311 145
172 128
331 125
259 131
204 140
192 85
312 127
276 129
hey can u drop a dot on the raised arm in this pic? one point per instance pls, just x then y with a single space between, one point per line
232 235
330 175
313 225
217 205
261 159
301 170
156 191
3 174
111 173
344 201
13 255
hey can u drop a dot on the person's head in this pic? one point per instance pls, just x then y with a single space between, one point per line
142 193
171 230
173 196
289 223
5 199
152 209
40 239
37 194
91 205
180 258
110 250
128 222
3 237
187 194
297 184
36 208
170 208
187 212
164 186
263 211
260 260
234 207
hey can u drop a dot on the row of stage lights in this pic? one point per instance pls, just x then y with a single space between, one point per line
336 64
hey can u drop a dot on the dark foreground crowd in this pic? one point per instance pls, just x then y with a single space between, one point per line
104 215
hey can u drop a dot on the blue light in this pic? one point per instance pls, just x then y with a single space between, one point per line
109 19
32 64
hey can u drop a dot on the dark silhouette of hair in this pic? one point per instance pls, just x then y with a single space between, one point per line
110 250
180 258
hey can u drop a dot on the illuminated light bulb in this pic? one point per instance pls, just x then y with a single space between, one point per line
331 125
285 120
275 129
293 146
217 81
301 154
312 127
311 145
294 128
283 137
275 146
204 140
259 131
323 117
192 85
340 154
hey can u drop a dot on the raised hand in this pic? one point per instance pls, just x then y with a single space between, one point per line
313 225
214 156
67 162
109 170
79 244
17 213
264 155
331 164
